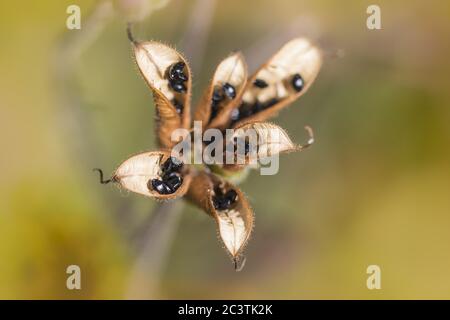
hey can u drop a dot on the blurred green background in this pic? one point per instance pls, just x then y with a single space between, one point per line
374 189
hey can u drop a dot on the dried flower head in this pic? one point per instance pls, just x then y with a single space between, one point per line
232 100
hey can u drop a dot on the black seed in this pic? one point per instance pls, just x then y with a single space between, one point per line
214 109
260 83
177 86
217 96
176 72
229 90
231 196
160 186
297 82
172 164
173 181
178 105
224 201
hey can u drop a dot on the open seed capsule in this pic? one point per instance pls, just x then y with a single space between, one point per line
176 72
154 174
168 75
172 164
281 80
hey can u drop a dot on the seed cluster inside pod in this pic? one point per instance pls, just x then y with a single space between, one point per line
170 180
232 101
177 81
285 77
222 93
224 200
265 94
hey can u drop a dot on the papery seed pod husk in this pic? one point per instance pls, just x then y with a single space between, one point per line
235 224
232 70
154 60
298 56
135 173
271 140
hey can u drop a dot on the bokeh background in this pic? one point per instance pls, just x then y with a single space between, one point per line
374 189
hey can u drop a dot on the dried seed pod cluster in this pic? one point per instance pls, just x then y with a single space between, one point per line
232 100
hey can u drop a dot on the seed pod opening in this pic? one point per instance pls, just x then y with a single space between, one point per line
154 174
228 206
223 93
280 81
259 140
168 75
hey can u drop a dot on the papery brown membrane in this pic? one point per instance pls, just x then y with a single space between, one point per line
234 223
155 60
232 70
135 174
271 88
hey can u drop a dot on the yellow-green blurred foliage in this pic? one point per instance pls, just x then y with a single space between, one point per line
374 189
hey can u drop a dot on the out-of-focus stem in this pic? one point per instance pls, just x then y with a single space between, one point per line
146 273
197 32
153 247
72 116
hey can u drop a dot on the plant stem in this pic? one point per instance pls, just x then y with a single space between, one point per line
153 249
154 246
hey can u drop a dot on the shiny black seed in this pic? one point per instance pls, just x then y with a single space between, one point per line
229 90
219 203
297 82
177 86
260 83
176 72
178 105
172 164
173 181
217 96
214 108
160 186
231 196
224 201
